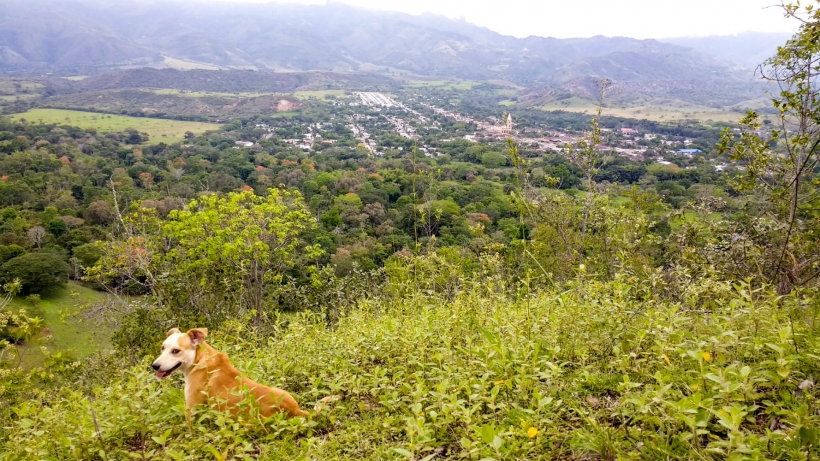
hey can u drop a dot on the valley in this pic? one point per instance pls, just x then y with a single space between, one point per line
444 242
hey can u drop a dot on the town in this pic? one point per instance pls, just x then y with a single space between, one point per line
378 123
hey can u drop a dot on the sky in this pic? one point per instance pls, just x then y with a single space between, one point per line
585 18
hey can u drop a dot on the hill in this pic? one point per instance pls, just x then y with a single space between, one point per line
331 38
748 49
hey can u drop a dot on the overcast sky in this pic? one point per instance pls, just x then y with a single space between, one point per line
585 18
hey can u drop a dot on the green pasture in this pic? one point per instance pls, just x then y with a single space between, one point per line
448 85
159 130
66 329
320 94
650 110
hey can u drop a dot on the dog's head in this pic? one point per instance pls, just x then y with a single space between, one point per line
178 351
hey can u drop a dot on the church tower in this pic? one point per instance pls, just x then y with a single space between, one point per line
508 123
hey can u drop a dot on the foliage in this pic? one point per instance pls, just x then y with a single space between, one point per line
591 369
37 272
222 257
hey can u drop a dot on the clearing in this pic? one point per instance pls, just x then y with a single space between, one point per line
654 112
66 330
181 64
448 85
159 130
320 94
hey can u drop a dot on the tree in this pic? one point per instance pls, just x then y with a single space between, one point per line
36 234
493 159
57 227
221 257
99 212
780 180
87 255
37 272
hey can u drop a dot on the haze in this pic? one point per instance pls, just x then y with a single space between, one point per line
628 18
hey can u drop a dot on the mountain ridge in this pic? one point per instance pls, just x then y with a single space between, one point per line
337 38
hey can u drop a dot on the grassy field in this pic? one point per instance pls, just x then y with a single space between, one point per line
655 112
7 98
506 103
66 330
320 94
202 94
16 85
159 130
181 64
449 85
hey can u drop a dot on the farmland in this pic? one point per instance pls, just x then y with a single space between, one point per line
159 130
655 112
320 94
443 85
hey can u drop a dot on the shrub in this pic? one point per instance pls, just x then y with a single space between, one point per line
38 272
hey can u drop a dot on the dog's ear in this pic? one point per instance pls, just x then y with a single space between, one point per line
198 335
172 331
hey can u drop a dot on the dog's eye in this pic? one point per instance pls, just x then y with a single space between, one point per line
175 351
163 347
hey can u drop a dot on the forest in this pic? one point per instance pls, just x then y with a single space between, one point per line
472 300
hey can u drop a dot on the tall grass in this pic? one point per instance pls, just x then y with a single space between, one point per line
589 370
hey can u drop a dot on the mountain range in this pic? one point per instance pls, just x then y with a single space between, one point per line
90 36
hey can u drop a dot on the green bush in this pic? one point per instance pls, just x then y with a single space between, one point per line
38 272
8 252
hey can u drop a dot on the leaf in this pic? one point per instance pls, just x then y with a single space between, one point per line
497 442
403 452
807 435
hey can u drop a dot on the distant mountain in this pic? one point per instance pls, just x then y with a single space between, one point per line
63 35
37 35
749 49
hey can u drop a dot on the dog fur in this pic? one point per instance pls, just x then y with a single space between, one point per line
209 375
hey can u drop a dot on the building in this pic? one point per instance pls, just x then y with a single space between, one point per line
688 151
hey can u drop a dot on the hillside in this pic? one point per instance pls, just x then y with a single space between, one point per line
330 38
748 49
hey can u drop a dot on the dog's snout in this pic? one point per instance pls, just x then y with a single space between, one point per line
155 366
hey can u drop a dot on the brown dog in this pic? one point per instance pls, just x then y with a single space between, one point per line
209 374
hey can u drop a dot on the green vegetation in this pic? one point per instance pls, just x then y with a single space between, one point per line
446 85
599 370
203 94
158 130
37 272
320 94
69 328
655 112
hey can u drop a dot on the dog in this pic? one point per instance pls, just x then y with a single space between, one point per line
209 375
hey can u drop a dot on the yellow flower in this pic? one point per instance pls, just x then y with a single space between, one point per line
498 383
667 359
723 413
532 432
707 356
695 387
